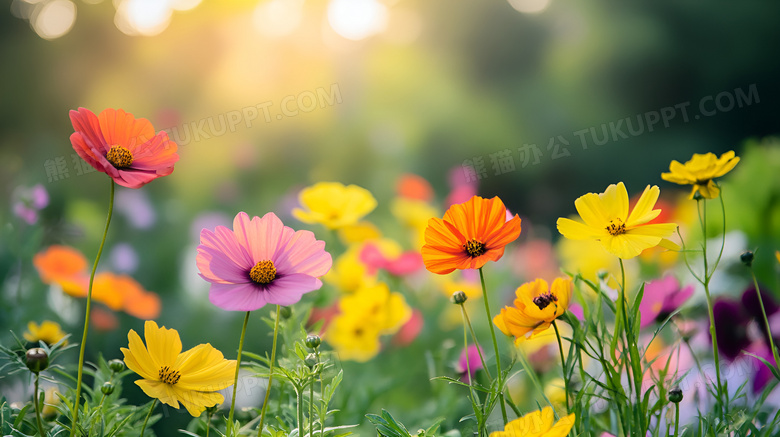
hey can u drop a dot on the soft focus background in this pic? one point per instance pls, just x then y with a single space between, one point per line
538 101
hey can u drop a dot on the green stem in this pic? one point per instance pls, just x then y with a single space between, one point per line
563 366
474 339
235 379
766 321
209 414
311 407
676 419
77 400
148 415
270 373
706 283
299 398
474 399
38 406
324 406
495 347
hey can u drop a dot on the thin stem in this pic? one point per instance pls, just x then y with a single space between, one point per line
323 410
235 379
563 366
77 400
148 415
474 399
311 407
766 321
495 346
208 422
270 373
474 339
706 283
299 398
38 406
676 419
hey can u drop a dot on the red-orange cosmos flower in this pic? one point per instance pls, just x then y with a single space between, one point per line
121 146
471 234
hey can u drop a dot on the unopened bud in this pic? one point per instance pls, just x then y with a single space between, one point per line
285 312
602 275
746 258
107 388
310 360
459 297
313 341
37 359
675 395
116 366
698 196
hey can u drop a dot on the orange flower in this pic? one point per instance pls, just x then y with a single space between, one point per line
121 292
535 308
471 234
121 146
64 266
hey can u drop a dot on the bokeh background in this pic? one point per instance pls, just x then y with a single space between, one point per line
266 97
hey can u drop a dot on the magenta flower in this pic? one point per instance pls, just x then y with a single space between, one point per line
404 264
260 262
469 356
662 297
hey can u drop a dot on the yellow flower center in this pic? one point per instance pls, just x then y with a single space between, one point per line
263 272
169 376
544 300
616 227
474 248
119 157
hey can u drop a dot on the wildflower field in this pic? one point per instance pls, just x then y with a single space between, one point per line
381 218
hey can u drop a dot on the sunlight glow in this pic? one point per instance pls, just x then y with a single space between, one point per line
530 6
357 19
278 17
54 19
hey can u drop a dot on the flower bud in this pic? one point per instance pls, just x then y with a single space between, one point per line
675 395
313 341
602 275
116 366
37 359
698 196
459 297
747 258
107 388
285 312
310 360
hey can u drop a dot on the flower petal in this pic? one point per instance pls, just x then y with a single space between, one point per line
643 210
288 289
163 344
237 297
121 128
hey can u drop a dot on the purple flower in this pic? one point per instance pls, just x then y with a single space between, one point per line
661 298
731 323
27 201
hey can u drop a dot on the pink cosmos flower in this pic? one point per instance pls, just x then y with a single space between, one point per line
661 298
406 263
469 362
121 146
260 262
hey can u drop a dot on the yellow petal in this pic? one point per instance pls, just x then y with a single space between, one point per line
578 231
589 207
643 211
163 344
138 359
615 202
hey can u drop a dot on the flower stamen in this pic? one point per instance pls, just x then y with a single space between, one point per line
263 272
119 157
474 247
616 227
544 300
169 376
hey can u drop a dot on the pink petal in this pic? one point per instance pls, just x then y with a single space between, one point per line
303 253
237 297
86 123
289 289
408 262
373 258
261 236
223 240
216 267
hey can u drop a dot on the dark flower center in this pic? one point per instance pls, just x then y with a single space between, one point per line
169 376
263 272
616 227
474 247
544 300
119 157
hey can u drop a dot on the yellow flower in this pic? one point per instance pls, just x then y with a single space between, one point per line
777 255
191 378
607 220
359 232
537 424
414 215
535 308
349 273
49 332
700 171
334 205
365 315
353 337
50 402
386 310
